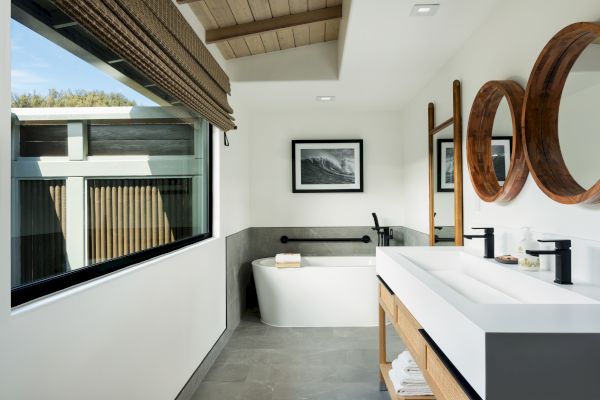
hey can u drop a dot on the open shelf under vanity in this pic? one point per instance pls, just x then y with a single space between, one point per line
442 377
385 369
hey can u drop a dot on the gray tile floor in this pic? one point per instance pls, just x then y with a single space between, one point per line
266 363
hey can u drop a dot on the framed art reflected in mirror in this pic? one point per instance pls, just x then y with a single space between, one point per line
501 153
445 165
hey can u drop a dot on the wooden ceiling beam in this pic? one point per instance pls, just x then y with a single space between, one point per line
273 24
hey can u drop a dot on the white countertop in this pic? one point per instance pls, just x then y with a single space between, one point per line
494 318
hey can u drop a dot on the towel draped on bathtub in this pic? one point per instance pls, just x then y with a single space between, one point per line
287 260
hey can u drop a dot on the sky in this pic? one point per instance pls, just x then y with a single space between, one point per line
39 65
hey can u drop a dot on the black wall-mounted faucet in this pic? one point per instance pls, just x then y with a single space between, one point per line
488 236
384 233
563 259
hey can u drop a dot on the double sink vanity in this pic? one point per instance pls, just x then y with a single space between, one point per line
483 330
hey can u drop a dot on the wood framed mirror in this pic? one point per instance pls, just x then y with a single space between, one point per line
495 154
445 163
567 66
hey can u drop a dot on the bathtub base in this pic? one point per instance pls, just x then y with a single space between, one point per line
324 292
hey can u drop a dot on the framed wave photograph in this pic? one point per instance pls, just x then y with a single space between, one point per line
327 166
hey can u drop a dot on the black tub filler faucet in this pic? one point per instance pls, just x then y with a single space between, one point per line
384 233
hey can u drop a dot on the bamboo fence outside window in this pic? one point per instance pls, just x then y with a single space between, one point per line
130 215
42 228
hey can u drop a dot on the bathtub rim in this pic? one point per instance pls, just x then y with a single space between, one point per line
371 262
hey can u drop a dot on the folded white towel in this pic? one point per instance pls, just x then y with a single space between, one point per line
394 379
406 358
408 390
421 391
405 362
285 258
413 377
410 370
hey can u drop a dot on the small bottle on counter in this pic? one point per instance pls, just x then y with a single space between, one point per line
527 262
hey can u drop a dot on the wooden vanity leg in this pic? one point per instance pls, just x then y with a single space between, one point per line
382 346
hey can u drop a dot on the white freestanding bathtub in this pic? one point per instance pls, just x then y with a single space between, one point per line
323 292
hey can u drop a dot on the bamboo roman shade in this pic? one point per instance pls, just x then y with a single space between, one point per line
155 38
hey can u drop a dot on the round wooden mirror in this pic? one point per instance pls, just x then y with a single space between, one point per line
493 176
541 115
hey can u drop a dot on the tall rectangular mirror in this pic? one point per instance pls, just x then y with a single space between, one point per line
445 175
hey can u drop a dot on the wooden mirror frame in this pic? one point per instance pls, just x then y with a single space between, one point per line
456 121
479 142
540 115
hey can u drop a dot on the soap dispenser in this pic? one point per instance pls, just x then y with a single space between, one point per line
527 262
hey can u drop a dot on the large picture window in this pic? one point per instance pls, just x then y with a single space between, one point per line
102 176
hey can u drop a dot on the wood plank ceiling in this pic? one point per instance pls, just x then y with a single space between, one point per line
284 24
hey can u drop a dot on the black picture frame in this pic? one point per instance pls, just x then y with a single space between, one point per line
506 142
299 187
443 185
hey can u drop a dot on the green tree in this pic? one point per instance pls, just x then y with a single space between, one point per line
70 98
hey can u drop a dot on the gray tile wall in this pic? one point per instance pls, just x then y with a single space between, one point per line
253 243
239 271
266 241
414 238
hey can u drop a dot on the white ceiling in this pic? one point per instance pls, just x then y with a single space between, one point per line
385 57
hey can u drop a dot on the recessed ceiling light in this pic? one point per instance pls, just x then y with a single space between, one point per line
326 98
424 10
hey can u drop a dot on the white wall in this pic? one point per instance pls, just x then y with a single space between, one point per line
288 65
136 334
235 173
272 200
504 47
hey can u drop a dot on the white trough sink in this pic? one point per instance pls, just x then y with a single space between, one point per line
488 282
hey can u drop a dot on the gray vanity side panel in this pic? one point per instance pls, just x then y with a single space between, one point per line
529 366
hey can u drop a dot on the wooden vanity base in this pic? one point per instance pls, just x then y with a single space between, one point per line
441 381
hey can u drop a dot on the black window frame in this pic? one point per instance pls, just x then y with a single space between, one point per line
53 284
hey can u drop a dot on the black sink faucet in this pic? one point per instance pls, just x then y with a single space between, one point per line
488 236
563 259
